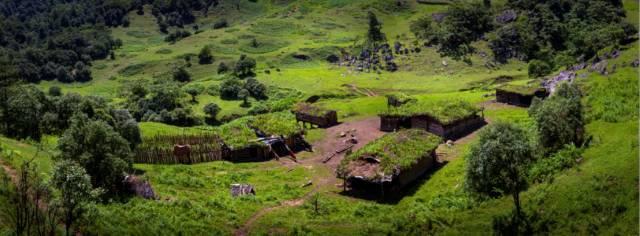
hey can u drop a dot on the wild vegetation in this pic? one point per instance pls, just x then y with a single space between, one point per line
86 85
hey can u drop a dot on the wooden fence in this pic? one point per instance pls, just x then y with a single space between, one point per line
160 149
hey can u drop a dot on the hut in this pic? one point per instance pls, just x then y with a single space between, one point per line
447 119
262 137
389 163
519 95
315 115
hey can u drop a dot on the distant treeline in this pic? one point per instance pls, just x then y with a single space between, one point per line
58 39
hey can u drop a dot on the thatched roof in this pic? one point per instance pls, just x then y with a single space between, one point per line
522 90
444 111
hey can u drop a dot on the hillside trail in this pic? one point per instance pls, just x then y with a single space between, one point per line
13 175
363 91
366 130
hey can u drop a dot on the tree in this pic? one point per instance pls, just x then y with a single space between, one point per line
374 34
81 73
194 90
222 68
76 192
55 91
245 66
181 75
244 95
22 112
205 56
212 111
230 88
538 68
256 89
559 119
127 127
498 163
423 29
99 149
24 198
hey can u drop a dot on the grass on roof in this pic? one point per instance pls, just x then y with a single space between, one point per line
445 111
310 109
239 133
400 97
279 123
523 90
399 150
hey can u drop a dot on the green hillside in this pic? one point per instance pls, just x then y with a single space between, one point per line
291 41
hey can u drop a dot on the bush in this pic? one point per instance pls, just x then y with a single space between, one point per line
256 89
230 88
546 168
213 90
55 91
212 111
205 56
245 66
222 23
222 68
181 75
559 119
539 68
260 108
177 36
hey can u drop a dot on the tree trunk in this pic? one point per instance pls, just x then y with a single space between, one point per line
516 201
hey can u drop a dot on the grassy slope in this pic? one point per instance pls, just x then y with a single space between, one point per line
595 197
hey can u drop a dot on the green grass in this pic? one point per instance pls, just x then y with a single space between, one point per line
523 90
598 196
445 111
196 200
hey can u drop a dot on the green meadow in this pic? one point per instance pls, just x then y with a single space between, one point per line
599 195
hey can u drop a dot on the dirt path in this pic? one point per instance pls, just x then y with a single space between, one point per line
9 171
365 130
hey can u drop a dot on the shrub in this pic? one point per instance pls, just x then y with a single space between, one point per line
181 75
245 66
222 68
222 23
546 168
559 119
55 91
256 89
538 68
205 56
212 111
230 88
213 90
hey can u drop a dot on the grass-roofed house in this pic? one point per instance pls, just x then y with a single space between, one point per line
390 162
315 115
447 119
519 95
251 138
261 137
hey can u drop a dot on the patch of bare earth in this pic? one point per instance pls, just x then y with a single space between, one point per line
364 131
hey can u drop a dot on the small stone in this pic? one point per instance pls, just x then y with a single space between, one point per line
343 134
